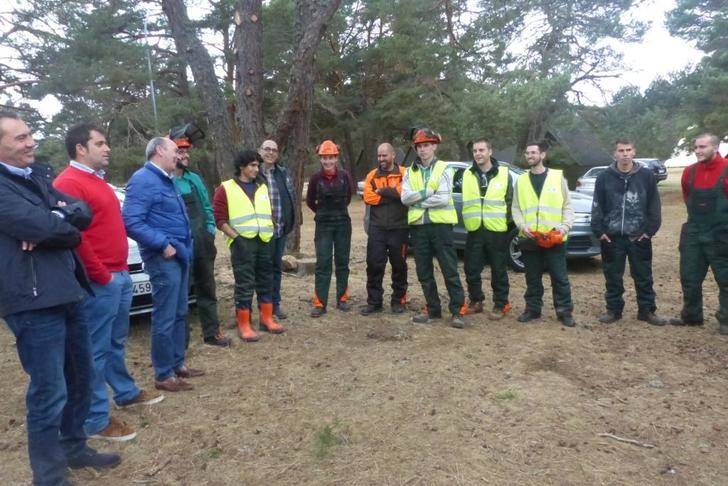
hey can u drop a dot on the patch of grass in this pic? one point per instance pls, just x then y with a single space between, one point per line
214 453
329 436
506 395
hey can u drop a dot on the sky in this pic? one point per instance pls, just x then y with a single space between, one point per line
658 55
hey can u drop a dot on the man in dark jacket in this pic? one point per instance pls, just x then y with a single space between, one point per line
42 285
388 232
283 204
155 216
625 217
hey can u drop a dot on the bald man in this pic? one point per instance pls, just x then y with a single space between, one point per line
282 202
388 232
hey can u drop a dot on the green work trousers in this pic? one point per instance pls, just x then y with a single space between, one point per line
203 279
552 259
435 241
253 271
698 252
614 258
333 242
483 246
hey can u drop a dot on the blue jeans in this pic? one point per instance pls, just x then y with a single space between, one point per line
54 349
170 283
107 316
278 247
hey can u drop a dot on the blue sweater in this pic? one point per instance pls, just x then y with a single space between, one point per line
155 215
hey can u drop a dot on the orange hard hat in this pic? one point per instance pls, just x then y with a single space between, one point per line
327 147
183 143
425 135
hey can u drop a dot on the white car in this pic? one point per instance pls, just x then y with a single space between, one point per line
141 302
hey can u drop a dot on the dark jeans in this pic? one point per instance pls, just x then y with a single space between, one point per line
54 349
252 269
278 247
435 241
697 254
106 314
614 258
203 278
170 284
383 244
536 261
481 246
333 242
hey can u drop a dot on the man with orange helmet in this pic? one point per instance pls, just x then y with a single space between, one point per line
427 192
329 194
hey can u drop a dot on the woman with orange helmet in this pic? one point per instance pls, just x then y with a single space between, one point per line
329 194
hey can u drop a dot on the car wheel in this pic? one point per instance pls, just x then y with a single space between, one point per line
514 252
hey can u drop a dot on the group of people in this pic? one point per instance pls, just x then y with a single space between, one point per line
66 293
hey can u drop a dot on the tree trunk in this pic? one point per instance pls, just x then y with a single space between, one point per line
220 127
249 75
294 127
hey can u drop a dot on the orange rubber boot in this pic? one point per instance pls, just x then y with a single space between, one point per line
268 321
245 330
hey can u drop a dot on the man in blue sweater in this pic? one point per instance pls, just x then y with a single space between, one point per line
155 216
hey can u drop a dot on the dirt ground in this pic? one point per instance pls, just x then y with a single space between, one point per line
349 400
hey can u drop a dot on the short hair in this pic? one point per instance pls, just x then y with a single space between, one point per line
714 140
624 141
245 158
481 140
542 145
153 145
7 114
79 134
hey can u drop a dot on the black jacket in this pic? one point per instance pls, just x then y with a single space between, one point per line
50 274
626 204
288 197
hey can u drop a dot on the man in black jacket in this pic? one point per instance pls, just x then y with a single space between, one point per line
625 217
42 285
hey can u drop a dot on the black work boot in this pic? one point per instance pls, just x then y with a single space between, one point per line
651 318
528 315
610 317
370 309
567 319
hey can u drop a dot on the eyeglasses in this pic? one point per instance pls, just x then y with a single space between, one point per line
270 149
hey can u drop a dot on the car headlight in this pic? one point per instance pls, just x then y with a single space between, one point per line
582 218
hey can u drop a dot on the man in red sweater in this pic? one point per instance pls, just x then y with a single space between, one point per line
704 237
103 250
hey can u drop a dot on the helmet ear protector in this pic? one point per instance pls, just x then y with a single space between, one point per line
425 135
185 136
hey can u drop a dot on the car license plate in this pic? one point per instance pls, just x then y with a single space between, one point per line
141 288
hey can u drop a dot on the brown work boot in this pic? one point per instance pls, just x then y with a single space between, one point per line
186 372
173 384
145 397
652 318
475 307
219 339
498 313
245 330
116 431
267 321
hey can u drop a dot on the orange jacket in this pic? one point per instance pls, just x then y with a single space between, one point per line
378 180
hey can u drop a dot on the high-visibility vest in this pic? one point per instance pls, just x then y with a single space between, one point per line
489 210
249 218
442 215
546 212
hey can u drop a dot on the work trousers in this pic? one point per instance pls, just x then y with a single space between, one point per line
436 241
252 270
614 257
483 246
333 242
552 259
386 244
278 247
698 252
203 279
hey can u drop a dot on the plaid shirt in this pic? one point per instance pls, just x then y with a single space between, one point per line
274 194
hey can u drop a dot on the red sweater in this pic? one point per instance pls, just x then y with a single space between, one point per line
104 247
706 175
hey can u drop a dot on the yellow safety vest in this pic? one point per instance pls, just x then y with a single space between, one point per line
442 215
546 212
491 210
247 218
